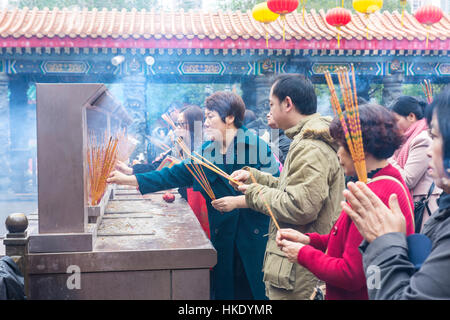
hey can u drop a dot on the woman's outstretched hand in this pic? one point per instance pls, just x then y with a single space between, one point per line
117 177
122 167
370 215
226 204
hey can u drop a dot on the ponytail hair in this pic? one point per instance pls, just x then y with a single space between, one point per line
405 105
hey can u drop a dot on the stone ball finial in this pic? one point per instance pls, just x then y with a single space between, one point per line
16 223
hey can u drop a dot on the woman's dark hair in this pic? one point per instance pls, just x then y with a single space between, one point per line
227 103
299 88
191 114
405 105
441 105
381 136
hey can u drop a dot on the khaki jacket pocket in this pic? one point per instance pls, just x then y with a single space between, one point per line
278 271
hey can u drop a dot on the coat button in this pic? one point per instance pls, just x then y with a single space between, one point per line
256 231
216 231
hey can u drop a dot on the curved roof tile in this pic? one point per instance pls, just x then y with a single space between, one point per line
144 24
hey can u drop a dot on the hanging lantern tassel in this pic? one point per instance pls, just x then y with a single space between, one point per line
303 11
403 4
339 36
367 26
283 18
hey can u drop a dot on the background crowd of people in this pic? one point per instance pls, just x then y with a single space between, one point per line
288 222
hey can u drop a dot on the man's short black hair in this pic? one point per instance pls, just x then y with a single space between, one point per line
299 88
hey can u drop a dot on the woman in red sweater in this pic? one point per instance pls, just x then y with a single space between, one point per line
335 258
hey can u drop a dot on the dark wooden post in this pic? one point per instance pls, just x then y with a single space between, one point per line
16 242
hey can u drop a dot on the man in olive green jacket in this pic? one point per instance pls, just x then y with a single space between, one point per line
307 195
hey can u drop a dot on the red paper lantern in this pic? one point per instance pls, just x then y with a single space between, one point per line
282 6
429 15
338 17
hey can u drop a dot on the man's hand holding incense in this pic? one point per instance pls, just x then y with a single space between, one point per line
291 235
370 215
117 177
239 175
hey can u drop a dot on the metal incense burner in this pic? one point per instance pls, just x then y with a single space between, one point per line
129 246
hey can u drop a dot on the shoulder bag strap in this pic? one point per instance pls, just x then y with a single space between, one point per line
404 190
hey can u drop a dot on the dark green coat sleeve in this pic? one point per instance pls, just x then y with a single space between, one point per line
167 178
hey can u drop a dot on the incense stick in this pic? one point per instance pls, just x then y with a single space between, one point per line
427 90
266 204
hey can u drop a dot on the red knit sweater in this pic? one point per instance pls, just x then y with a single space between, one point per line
341 268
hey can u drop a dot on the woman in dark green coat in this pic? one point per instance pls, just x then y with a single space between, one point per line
238 235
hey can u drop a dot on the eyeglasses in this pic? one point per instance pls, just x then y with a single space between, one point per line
181 124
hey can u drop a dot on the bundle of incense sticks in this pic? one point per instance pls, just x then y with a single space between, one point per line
101 160
205 162
427 90
352 131
266 204
200 176
197 171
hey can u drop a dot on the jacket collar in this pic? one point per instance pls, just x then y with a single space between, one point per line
295 130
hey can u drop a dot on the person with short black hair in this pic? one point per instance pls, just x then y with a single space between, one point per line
299 89
227 104
334 257
411 158
407 270
306 196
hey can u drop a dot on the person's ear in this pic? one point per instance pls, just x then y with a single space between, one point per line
289 105
229 120
411 117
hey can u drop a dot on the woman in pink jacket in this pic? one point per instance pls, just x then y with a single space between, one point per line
411 158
